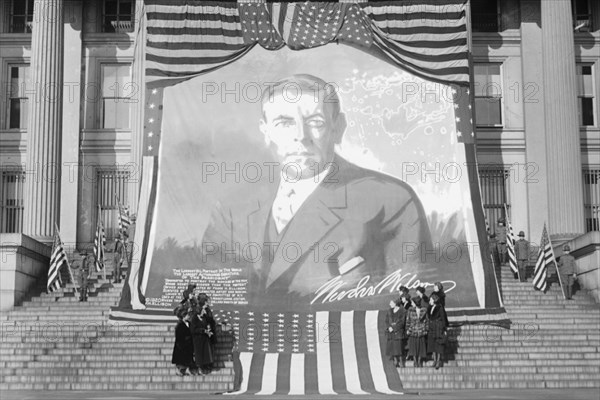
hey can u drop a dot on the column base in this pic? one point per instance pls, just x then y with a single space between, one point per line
23 270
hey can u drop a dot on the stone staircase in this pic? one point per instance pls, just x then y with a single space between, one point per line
552 343
55 342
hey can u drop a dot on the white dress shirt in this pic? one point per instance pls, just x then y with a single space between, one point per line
290 197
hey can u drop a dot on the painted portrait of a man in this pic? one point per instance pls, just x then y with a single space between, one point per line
322 217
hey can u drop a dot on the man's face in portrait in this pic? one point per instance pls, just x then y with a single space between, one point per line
299 126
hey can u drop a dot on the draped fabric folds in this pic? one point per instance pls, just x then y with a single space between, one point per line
187 38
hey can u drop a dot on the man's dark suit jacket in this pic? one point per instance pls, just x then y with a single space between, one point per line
354 214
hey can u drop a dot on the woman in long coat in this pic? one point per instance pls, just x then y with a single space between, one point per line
201 334
395 322
183 350
438 324
417 325
439 290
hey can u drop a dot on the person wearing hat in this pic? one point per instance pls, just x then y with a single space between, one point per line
493 248
417 325
567 270
522 254
82 266
395 322
120 254
183 349
501 237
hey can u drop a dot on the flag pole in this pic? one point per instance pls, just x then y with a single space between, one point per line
67 260
100 245
560 282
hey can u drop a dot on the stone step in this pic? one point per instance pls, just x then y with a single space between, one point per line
430 374
184 383
124 371
96 365
222 378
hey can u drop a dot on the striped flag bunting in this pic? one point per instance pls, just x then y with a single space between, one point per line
99 242
510 245
187 38
544 259
57 258
313 353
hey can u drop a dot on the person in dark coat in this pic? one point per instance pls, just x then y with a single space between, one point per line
417 325
87 264
439 290
423 296
395 322
201 334
436 334
567 269
501 237
183 350
522 255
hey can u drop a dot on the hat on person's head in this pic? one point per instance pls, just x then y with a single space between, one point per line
566 247
521 234
417 301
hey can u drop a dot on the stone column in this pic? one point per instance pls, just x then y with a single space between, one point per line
534 122
42 189
71 109
563 149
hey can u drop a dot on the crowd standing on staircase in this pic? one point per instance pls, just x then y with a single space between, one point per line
415 329
194 334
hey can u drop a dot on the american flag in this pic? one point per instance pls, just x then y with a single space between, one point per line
510 245
99 242
124 220
544 259
325 352
58 257
187 38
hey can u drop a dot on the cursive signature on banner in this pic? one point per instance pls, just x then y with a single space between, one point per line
333 290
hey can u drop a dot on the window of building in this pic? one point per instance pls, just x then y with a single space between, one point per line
111 184
117 91
582 15
118 15
11 206
488 94
20 16
18 76
485 15
494 193
585 89
591 199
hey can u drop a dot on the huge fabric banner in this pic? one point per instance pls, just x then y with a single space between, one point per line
301 189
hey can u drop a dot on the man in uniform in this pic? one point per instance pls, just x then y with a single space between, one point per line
84 274
522 253
119 255
567 270
501 236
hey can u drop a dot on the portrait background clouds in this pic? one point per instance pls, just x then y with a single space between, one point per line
398 124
